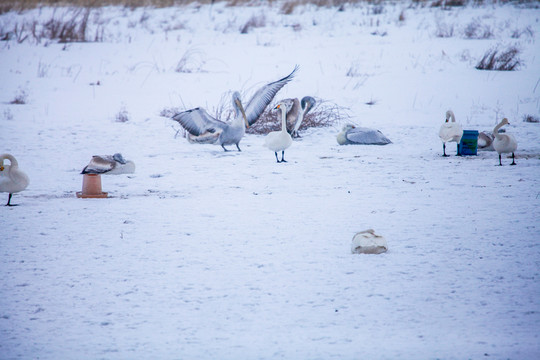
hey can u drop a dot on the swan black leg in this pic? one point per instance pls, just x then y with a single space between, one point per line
444 149
513 160
500 163
9 200
277 157
238 147
223 146
283 156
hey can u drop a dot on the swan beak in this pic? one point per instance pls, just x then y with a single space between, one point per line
277 107
239 104
1 168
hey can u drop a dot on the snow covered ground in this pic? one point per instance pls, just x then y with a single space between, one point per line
203 254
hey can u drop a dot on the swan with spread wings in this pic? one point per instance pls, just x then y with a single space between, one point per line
204 128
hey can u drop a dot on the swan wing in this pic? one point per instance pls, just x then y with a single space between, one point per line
367 136
260 100
197 122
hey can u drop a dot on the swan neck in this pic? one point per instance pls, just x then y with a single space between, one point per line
496 130
283 119
11 159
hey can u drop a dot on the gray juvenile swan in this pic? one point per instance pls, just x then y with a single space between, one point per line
12 179
297 114
504 143
450 131
205 129
280 140
352 135
109 165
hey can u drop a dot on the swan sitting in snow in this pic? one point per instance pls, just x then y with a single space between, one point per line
367 242
12 179
109 165
504 143
352 135
280 140
450 131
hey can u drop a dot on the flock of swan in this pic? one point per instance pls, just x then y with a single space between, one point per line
451 131
205 129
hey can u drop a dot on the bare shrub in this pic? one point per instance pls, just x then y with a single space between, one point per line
191 61
254 22
288 7
354 70
21 97
401 17
445 4
476 30
169 111
531 118
500 60
444 30
122 116
518 33
69 26
323 114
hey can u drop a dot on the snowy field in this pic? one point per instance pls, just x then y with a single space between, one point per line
203 254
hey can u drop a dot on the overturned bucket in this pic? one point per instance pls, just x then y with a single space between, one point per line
469 143
91 187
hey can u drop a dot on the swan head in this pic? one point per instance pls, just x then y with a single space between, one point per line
348 127
505 122
307 103
239 108
450 115
285 105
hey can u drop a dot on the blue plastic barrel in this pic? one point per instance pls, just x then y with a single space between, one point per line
469 143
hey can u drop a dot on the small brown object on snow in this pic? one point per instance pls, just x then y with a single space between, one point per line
91 187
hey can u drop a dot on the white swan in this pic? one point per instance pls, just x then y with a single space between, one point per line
450 131
367 242
280 140
351 134
504 143
295 117
12 179
109 165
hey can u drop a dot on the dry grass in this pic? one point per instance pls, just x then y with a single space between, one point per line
287 6
500 60
20 98
65 26
258 21
531 118
122 116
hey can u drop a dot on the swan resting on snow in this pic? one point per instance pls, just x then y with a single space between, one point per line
205 129
280 140
109 165
352 135
450 131
367 242
504 143
12 179
295 117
